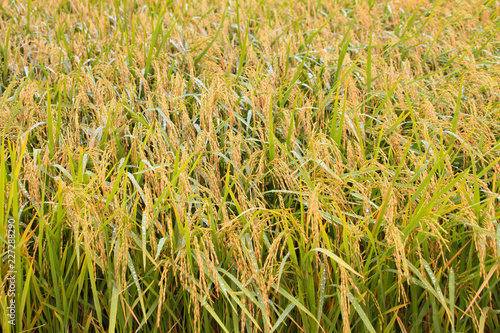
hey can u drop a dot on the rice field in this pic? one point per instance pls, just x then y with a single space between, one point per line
250 166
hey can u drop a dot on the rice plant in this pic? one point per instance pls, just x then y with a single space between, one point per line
250 166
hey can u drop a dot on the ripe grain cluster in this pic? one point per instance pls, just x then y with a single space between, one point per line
251 166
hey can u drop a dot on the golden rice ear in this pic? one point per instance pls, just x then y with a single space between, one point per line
344 300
